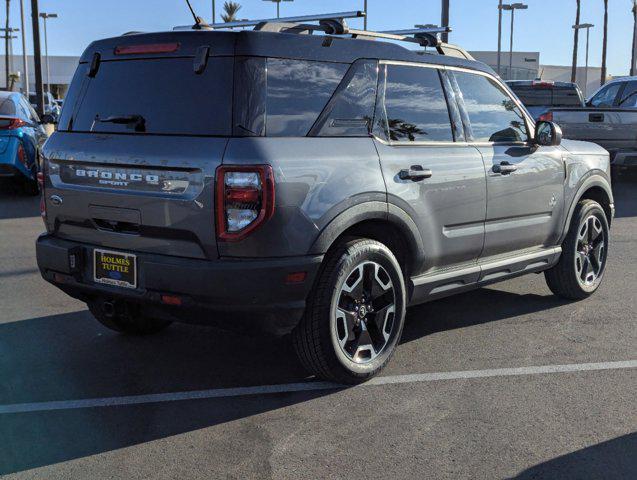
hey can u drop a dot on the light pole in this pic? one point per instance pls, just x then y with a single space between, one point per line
588 27
8 36
46 16
278 5
365 18
25 81
214 13
512 7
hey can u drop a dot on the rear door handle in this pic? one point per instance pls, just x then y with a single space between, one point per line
504 168
415 173
596 117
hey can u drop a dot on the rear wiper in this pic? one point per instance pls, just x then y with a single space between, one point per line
138 122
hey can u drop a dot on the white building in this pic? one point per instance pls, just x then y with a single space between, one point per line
61 70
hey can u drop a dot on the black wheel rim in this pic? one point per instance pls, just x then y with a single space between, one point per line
364 314
590 252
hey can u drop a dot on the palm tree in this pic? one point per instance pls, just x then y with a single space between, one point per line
605 42
230 9
576 42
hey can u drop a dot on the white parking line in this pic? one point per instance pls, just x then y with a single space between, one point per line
307 386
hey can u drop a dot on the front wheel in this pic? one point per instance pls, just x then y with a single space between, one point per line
581 268
355 316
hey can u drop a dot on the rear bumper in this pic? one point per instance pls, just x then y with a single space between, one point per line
244 294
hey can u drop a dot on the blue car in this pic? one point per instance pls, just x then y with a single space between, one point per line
21 136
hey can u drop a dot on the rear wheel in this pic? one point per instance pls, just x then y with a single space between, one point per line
125 317
355 316
581 268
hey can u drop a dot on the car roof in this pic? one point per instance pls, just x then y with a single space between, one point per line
273 44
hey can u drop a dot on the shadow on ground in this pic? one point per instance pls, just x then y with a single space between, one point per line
15 204
625 192
614 459
70 356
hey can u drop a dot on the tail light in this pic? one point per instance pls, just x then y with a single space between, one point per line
245 200
11 123
546 117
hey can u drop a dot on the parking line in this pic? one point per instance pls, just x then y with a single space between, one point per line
307 387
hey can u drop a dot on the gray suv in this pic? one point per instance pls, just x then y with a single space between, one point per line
315 185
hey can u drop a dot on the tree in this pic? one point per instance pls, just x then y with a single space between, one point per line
605 42
230 11
576 42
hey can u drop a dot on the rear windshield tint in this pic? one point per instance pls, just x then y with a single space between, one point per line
160 96
543 96
7 107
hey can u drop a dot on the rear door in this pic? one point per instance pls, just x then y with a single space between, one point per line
525 182
429 172
133 161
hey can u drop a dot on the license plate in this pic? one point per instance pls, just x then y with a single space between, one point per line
115 268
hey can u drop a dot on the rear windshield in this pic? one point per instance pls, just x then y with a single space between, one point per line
156 96
534 96
7 107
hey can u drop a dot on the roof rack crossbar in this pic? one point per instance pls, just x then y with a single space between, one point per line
301 19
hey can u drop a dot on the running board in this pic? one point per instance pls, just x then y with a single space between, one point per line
441 284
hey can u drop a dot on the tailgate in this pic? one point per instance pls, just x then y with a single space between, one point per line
136 193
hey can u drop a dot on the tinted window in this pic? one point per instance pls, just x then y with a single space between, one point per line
165 93
416 105
629 96
297 92
351 111
7 107
606 96
536 96
249 96
493 114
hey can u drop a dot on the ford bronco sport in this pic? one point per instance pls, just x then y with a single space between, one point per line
316 185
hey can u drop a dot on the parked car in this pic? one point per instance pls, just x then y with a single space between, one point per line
540 96
308 184
50 105
21 137
609 119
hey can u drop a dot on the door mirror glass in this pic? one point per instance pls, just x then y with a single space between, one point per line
548 134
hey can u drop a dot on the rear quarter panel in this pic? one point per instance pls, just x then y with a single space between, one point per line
316 179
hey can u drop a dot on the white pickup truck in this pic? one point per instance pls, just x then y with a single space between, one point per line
609 119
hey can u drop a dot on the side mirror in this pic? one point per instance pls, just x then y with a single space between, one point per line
548 134
47 118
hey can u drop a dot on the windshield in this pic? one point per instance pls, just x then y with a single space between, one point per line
159 96
534 96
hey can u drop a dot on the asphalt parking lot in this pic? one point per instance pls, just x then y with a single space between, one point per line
78 401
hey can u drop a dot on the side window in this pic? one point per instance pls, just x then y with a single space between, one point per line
416 106
297 92
351 110
629 96
606 96
493 114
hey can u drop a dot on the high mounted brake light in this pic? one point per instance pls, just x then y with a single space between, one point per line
245 200
147 48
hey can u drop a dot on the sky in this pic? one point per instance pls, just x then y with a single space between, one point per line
544 27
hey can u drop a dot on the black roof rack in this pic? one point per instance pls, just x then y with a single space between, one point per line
335 24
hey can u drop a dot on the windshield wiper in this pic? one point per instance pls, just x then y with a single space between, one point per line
138 122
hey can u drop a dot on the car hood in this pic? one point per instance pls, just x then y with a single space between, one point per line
578 147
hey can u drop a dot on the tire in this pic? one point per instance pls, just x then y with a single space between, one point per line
343 341
584 250
125 318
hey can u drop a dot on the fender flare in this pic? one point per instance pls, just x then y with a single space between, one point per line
372 211
593 180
